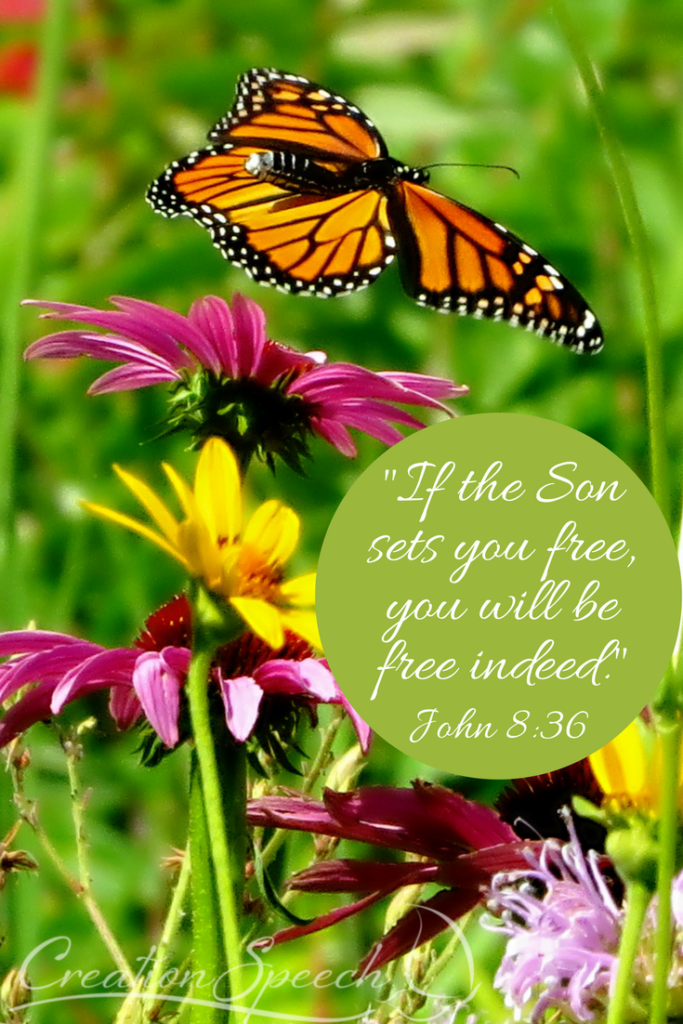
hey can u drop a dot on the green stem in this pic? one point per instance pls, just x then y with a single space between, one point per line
226 865
384 1007
667 708
31 178
637 901
321 758
670 737
28 811
72 750
419 987
668 724
445 956
135 1008
232 768
318 765
636 229
206 952
668 704
171 925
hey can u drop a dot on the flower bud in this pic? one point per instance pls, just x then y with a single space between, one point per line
404 900
15 994
345 771
633 850
418 962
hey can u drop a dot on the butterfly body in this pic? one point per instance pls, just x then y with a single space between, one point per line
298 188
293 171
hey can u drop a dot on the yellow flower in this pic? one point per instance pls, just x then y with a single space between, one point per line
245 565
629 769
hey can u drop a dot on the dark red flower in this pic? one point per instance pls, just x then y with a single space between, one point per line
464 844
532 805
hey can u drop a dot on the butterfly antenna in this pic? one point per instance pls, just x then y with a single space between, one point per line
493 167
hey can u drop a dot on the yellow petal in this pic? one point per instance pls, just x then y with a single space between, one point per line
136 527
218 490
273 531
201 554
304 624
262 618
621 767
161 515
185 495
198 545
300 591
230 577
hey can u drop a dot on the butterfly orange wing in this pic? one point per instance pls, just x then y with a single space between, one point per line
275 110
323 245
311 244
456 260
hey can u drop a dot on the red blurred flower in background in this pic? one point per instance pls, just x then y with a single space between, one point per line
21 10
18 66
19 57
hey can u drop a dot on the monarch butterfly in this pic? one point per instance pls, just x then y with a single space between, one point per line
298 188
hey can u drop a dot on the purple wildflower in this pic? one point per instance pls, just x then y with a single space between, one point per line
563 927
677 902
676 972
226 372
148 678
563 919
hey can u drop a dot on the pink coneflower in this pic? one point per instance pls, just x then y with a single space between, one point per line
251 679
462 845
229 380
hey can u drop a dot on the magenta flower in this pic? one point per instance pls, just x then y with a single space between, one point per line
463 845
226 373
148 678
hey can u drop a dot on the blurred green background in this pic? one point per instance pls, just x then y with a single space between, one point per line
480 81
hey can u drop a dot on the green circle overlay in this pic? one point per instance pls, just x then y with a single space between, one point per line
466 678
